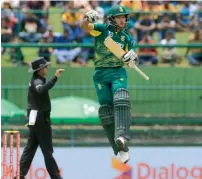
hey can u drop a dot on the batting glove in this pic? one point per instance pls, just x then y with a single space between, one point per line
92 16
130 58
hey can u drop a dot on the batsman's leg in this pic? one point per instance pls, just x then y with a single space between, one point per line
106 112
122 114
122 104
106 115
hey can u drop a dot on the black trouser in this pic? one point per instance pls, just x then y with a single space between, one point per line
40 134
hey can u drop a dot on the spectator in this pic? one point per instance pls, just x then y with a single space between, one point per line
64 55
95 6
198 14
71 20
193 7
170 6
128 4
31 27
45 52
87 53
106 5
82 5
49 34
170 54
153 6
56 3
133 5
157 7
16 55
20 7
147 55
132 30
164 25
186 18
14 4
9 14
146 24
6 31
196 54
40 6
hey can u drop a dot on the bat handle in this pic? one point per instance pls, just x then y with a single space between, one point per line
140 72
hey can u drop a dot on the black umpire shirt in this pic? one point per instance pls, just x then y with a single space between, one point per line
38 96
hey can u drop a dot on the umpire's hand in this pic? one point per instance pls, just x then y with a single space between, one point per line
58 72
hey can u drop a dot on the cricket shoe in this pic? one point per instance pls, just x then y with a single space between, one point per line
124 156
124 151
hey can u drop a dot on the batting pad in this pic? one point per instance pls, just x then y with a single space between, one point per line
106 115
122 115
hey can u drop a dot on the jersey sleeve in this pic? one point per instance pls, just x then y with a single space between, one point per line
130 44
40 87
97 29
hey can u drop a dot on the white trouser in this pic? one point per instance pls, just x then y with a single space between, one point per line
66 55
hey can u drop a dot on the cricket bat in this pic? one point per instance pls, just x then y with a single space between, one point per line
119 52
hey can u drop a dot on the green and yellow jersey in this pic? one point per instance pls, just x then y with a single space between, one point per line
103 57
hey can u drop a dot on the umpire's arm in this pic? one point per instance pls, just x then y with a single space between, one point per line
42 87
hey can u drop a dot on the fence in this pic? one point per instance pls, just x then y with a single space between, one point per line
18 46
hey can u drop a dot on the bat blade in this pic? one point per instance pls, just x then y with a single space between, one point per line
119 52
114 47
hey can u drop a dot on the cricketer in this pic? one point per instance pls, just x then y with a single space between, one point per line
110 77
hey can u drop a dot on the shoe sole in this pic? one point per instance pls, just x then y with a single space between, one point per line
126 161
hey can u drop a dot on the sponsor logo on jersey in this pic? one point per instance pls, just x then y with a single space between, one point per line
122 38
99 86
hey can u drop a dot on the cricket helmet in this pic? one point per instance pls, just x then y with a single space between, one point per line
117 10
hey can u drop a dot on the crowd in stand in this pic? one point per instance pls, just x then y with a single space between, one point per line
162 17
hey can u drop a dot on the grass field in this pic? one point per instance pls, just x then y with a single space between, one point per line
55 20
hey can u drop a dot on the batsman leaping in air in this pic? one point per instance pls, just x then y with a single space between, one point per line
110 78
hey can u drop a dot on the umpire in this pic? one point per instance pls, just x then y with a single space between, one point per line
39 108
